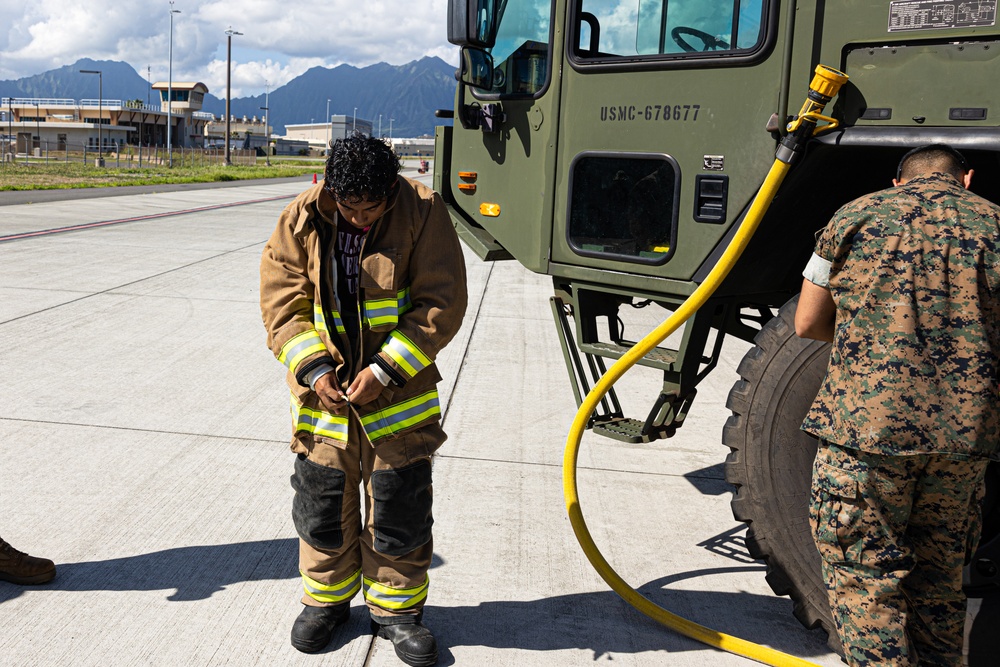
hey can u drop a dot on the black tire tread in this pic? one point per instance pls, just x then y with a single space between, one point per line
783 576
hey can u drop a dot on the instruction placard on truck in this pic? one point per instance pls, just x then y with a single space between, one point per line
937 15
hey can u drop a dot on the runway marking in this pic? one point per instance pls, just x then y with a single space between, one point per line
152 216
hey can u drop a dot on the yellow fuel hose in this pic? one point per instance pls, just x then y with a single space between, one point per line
827 82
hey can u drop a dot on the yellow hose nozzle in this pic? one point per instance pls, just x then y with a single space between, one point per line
827 81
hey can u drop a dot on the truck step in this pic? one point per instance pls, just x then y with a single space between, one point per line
659 357
624 429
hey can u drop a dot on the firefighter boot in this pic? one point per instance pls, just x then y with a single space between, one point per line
314 627
20 568
414 644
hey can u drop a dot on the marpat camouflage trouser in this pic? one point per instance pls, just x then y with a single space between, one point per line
893 533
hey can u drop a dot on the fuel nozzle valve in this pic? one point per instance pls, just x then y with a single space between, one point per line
823 88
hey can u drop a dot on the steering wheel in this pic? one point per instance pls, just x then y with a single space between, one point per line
709 43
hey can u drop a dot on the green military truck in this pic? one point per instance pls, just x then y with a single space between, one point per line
617 144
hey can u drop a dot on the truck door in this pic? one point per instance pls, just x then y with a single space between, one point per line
662 140
502 166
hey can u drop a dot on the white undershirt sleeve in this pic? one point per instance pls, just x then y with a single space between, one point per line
817 271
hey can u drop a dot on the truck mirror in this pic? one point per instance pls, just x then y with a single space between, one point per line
470 22
477 68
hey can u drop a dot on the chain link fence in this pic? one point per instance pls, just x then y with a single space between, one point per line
120 156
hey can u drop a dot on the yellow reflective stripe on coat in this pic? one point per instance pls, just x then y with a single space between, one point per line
394 598
320 320
318 422
299 347
338 592
397 417
402 350
379 312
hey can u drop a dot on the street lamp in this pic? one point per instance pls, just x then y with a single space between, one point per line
390 129
170 87
329 129
267 128
354 127
100 110
38 127
380 126
229 57
10 129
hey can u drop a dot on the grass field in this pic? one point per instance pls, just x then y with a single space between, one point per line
24 175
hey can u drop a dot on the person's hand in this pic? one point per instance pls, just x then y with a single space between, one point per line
365 388
329 393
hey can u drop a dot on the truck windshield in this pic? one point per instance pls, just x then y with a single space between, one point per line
521 49
630 28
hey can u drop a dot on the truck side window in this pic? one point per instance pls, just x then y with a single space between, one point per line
668 28
624 206
521 49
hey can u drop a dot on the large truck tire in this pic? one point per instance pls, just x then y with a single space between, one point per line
770 464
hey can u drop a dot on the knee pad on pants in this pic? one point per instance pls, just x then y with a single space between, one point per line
319 499
401 501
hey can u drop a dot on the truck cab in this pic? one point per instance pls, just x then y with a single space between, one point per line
616 145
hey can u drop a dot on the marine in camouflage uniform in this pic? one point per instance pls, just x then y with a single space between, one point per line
904 282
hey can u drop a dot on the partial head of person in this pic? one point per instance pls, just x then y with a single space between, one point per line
930 159
361 175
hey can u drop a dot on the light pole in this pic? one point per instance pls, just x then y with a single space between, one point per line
267 127
38 127
329 129
390 128
380 126
10 128
100 111
170 87
354 127
229 57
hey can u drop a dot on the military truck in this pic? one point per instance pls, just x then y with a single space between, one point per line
617 144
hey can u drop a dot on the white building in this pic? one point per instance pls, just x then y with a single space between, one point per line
320 135
38 125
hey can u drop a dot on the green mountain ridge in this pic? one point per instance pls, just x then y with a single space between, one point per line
408 94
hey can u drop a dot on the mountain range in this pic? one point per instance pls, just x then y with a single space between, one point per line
409 94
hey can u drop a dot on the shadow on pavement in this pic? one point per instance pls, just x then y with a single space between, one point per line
556 623
984 642
568 622
194 573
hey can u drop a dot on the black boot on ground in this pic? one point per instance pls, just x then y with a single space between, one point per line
19 568
314 627
414 644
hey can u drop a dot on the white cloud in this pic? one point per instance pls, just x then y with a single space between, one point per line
280 40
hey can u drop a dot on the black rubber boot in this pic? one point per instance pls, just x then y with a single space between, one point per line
414 644
314 627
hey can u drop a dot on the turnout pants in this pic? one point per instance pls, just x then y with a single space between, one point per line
386 551
894 533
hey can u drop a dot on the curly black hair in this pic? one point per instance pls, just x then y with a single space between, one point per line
361 167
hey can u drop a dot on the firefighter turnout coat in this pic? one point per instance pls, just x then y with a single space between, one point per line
411 301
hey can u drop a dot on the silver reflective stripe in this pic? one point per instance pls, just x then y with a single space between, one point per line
394 598
337 592
318 422
401 416
302 347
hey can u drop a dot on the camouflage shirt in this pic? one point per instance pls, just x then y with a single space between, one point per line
915 276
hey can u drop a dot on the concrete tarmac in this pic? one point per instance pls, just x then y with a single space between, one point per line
144 435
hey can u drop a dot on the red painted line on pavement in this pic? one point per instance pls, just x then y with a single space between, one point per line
152 216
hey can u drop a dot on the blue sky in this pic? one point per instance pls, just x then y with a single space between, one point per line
280 40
